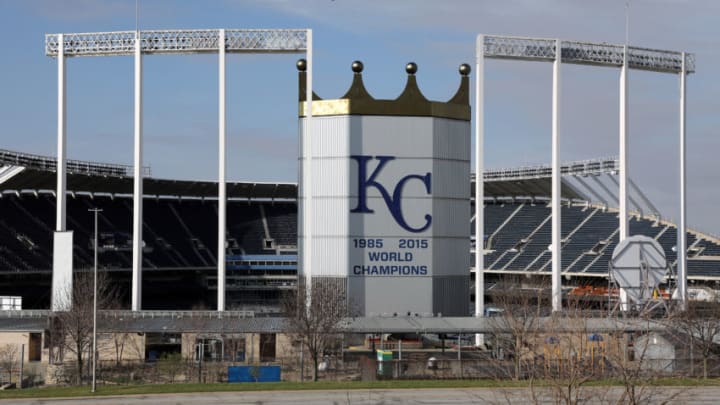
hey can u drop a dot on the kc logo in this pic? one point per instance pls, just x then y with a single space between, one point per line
393 202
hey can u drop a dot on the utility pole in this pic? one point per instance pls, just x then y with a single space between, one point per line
95 268
22 363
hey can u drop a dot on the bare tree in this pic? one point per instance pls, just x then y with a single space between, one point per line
549 351
619 352
570 356
700 325
632 361
74 327
560 355
119 339
315 316
8 359
516 323
171 364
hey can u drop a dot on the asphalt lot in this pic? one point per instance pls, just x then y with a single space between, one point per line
599 395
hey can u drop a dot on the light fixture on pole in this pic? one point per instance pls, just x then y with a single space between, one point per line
138 43
95 266
624 57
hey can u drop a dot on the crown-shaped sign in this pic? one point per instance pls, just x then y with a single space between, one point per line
411 102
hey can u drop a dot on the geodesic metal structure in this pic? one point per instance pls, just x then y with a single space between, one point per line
636 270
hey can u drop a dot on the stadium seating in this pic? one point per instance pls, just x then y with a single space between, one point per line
177 233
589 235
538 244
182 233
282 222
710 249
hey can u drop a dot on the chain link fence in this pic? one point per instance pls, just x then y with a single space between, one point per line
365 367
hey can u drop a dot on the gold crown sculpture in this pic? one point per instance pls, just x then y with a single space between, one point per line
411 102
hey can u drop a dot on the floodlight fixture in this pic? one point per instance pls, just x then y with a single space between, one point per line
178 42
587 53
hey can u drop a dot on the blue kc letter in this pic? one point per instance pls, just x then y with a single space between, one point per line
393 202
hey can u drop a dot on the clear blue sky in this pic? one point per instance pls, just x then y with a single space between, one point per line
181 91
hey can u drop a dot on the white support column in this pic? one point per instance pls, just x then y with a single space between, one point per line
479 182
308 172
682 226
556 181
624 174
222 187
60 218
137 183
62 284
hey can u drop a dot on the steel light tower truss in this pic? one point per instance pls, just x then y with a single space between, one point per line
137 44
587 53
581 53
178 42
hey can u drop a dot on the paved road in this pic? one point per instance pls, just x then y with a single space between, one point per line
604 395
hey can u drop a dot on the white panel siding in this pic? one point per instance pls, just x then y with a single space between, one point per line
395 136
331 216
330 257
398 295
301 158
451 218
331 177
452 257
449 179
420 145
331 136
452 139
445 293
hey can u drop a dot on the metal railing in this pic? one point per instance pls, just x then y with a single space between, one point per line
577 168
73 166
126 314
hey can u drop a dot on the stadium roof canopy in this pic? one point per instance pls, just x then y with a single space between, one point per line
32 179
20 171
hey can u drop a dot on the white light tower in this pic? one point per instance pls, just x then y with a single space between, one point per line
581 53
682 226
60 217
556 297
62 239
136 295
139 43
307 252
222 176
479 179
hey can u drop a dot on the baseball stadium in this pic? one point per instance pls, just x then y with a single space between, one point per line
394 241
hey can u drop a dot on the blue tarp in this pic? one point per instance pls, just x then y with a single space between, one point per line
253 373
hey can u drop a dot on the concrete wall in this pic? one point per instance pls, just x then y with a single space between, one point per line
251 347
14 340
656 352
285 347
121 346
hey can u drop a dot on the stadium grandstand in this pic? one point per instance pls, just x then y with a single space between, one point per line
180 231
